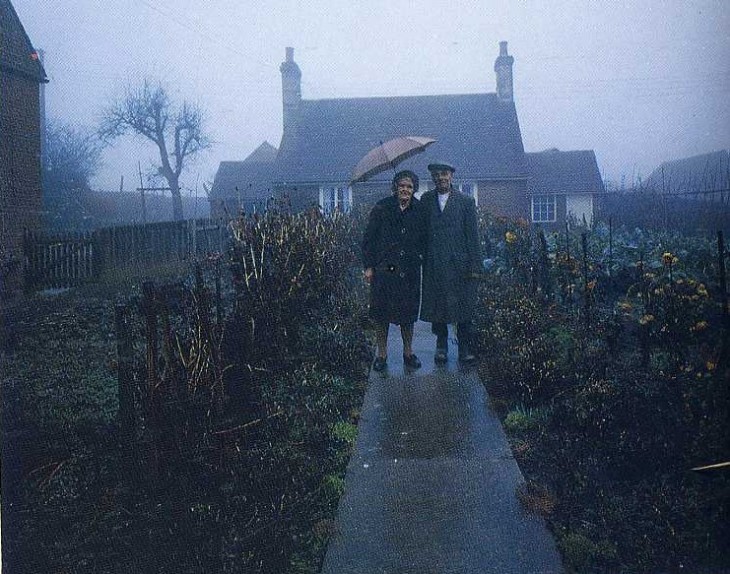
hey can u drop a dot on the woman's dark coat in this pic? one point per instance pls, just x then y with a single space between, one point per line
449 287
393 245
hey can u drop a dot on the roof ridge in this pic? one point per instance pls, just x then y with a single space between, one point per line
424 96
560 151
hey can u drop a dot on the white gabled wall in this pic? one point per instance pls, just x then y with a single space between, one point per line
581 207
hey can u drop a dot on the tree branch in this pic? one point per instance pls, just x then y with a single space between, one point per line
148 111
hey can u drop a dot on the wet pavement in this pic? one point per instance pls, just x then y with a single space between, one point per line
431 486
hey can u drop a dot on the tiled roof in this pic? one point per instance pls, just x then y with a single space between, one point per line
16 51
249 179
264 153
569 172
477 133
709 171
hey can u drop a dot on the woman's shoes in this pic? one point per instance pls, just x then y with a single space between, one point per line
412 362
380 364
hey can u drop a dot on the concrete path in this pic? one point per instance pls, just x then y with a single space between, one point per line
431 486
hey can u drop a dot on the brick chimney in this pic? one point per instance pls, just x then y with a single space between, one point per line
503 69
291 92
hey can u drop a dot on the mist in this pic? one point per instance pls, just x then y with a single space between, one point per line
639 83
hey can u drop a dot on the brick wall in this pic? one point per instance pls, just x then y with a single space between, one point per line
20 172
301 197
507 198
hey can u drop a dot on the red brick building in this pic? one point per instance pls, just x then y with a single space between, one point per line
21 74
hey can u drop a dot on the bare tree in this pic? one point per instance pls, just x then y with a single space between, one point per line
72 158
176 129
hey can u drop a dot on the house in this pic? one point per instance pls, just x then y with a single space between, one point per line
323 140
705 176
244 185
21 74
562 186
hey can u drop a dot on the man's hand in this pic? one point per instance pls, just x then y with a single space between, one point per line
368 274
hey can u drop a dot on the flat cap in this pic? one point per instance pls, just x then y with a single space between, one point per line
441 165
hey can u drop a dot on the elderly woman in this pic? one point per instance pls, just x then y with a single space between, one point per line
393 250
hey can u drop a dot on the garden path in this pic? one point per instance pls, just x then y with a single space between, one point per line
431 486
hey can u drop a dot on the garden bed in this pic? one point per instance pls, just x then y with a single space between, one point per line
609 371
253 488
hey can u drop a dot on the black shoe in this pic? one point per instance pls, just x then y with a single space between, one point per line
412 362
380 364
441 356
467 357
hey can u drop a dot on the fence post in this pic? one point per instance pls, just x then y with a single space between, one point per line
531 262
149 308
725 349
193 233
28 262
586 291
125 378
610 252
98 245
152 403
75 260
545 282
218 302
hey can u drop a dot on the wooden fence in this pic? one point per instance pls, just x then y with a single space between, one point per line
70 259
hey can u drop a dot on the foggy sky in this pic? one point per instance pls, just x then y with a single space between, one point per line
640 83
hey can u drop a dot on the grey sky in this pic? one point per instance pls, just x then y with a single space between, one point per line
638 82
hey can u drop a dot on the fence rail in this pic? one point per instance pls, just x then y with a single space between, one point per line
70 259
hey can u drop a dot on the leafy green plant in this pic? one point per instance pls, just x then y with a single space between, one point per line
583 554
346 432
522 419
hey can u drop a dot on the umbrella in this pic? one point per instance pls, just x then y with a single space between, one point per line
387 155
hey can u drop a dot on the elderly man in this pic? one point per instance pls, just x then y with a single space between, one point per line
453 260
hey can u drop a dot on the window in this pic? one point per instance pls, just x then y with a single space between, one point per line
543 208
470 189
335 198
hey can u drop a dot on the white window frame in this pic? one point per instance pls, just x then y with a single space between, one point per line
540 206
333 197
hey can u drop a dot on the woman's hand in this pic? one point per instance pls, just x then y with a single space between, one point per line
368 274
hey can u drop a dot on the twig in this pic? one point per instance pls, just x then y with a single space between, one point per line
47 481
248 424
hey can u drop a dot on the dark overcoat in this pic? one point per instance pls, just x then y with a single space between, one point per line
453 258
393 245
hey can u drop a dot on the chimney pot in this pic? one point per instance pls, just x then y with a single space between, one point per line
503 69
